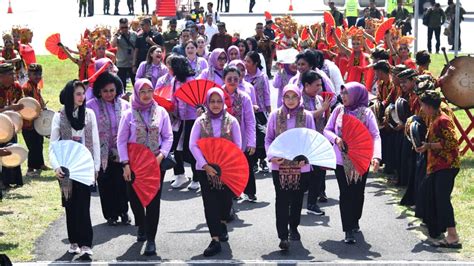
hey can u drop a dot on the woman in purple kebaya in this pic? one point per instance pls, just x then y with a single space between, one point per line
145 123
290 178
216 197
198 64
352 185
109 108
217 62
153 68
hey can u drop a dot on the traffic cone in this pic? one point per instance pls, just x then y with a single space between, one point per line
10 11
291 6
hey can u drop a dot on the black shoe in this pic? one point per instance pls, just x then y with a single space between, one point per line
356 228
141 236
294 235
284 244
264 166
125 220
112 221
255 169
314 209
224 237
150 248
349 239
323 198
251 198
212 249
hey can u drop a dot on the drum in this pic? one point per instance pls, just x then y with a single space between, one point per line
391 115
16 119
402 109
18 156
378 109
43 123
458 86
31 109
417 133
7 129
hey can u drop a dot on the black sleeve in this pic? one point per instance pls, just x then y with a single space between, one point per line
158 39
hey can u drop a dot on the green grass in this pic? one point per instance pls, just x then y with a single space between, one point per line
26 212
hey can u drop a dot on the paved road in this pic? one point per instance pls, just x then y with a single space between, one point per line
183 235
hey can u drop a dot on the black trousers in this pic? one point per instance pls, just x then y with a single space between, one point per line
251 5
406 161
217 204
187 155
116 11
388 154
351 21
261 124
437 32
251 188
124 73
178 169
288 204
106 6
34 142
351 199
148 216
220 5
315 185
112 191
78 217
90 7
227 5
145 4
11 176
82 6
131 9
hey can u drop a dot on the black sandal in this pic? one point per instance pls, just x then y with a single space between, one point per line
445 244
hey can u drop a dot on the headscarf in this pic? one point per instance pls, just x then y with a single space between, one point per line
213 58
208 99
294 88
233 47
358 95
237 62
288 70
136 103
66 98
101 62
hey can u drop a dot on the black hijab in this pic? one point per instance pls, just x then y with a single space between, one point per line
66 98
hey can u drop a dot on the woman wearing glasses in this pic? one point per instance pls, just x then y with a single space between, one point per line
215 72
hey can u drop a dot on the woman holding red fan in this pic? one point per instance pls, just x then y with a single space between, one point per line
319 108
289 177
242 110
353 161
148 124
216 196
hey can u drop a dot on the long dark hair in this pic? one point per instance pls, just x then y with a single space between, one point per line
181 68
104 79
239 41
66 98
254 44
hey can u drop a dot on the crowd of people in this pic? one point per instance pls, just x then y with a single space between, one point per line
337 71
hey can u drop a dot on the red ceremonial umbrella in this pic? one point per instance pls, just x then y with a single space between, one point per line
146 170
228 160
359 143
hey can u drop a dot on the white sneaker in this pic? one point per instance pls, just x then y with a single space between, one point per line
74 249
86 250
194 185
179 181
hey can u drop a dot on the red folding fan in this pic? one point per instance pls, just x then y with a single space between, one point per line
304 34
359 143
163 97
62 55
383 28
329 19
194 92
268 15
146 170
228 160
52 43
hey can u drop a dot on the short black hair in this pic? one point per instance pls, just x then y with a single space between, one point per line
229 69
104 79
259 24
383 66
309 56
422 58
310 77
431 98
147 21
123 20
